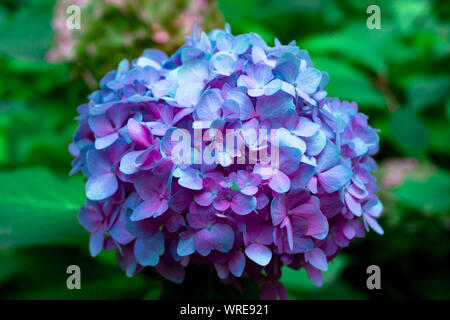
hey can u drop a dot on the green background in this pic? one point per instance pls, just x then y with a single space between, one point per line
398 75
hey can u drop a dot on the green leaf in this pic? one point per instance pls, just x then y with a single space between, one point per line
9 266
153 294
43 275
429 194
38 208
4 152
347 83
447 108
299 286
104 287
408 132
29 141
27 33
298 279
439 135
347 44
408 11
424 91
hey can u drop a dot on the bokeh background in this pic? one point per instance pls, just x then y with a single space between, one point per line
399 76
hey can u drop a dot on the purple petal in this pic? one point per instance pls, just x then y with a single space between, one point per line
143 228
275 105
148 250
302 175
106 141
171 270
240 43
237 263
308 80
221 204
282 292
188 94
301 245
101 187
286 139
222 270
259 254
272 87
287 67
242 204
262 200
317 258
255 92
180 200
96 242
128 164
306 128
193 71
353 204
219 237
186 244
280 182
209 106
246 81
119 232
97 162
191 179
151 187
260 72
369 220
335 178
299 226
119 116
315 275
246 109
174 222
330 204
223 63
204 198
126 260
374 208
224 41
258 55
138 133
268 292
290 234
329 157
278 209
149 208
315 143
101 125
310 212
90 217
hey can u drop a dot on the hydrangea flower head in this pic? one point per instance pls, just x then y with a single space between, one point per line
239 215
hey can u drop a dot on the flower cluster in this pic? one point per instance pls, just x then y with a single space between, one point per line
241 219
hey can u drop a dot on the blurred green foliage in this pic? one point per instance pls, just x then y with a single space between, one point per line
399 75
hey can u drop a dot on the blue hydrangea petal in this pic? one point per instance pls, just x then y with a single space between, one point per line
100 187
259 254
148 250
335 178
237 263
